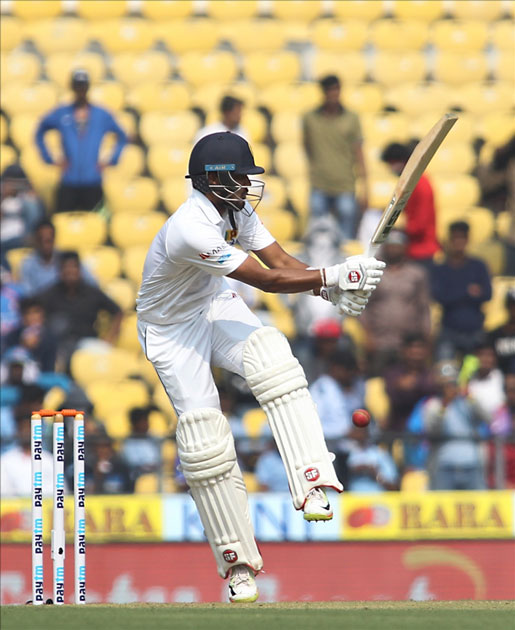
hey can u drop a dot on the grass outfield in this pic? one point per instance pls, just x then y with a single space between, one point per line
460 615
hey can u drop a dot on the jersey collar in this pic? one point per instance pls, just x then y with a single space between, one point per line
207 207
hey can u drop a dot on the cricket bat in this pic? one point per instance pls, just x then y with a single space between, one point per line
408 179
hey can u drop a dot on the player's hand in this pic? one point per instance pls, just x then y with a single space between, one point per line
353 302
357 273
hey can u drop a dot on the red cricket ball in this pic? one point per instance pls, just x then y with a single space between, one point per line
361 418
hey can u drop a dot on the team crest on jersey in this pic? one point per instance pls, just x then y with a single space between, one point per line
231 236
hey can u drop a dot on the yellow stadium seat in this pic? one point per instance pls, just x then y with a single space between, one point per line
380 190
295 99
43 177
128 229
254 421
35 98
381 129
459 36
11 33
505 224
8 156
107 9
298 189
165 160
174 192
482 225
416 481
463 131
128 338
452 157
501 35
290 160
121 291
63 34
416 99
281 224
457 191
133 259
398 35
376 399
169 452
182 36
166 10
492 253
364 97
131 163
350 66
487 10
484 98
359 9
227 10
496 127
262 155
179 128
148 483
286 127
35 9
4 130
79 230
447 215
427 10
274 193
266 68
102 364
395 67
149 66
297 10
59 67
19 67
123 35
129 123
113 396
495 311
209 67
458 68
23 130
208 96
15 258
251 482
253 121
159 424
103 262
339 35
505 65
161 97
136 195
251 35
108 94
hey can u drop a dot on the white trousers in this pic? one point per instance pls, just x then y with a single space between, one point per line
182 353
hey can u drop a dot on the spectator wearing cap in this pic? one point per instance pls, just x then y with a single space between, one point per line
461 285
82 127
20 208
399 307
455 425
40 269
419 212
231 110
503 337
333 143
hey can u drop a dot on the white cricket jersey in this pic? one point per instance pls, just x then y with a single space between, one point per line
189 256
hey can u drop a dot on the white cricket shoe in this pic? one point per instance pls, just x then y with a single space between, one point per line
317 506
242 585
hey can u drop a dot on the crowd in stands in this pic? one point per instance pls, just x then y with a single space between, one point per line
432 357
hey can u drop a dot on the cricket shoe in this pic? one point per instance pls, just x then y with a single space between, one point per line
317 506
242 585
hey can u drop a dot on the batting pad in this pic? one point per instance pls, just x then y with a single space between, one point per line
206 450
277 380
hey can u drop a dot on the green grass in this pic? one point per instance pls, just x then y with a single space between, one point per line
460 615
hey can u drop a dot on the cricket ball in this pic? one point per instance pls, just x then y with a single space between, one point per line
361 417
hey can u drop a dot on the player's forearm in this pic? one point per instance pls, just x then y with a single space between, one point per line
289 280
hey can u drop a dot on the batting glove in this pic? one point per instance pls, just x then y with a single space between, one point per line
357 273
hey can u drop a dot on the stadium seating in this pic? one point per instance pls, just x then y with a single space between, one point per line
133 259
208 96
35 9
107 9
484 98
60 35
364 97
426 10
167 10
456 191
113 397
59 66
34 98
290 160
274 194
349 65
174 192
415 99
15 258
135 68
128 228
459 36
294 98
501 35
19 67
376 400
8 156
79 230
228 11
104 263
456 69
264 69
286 127
398 67
182 36
297 10
102 364
165 160
120 290
382 129
131 163
136 195
128 338
123 35
250 35
4 129
168 97
339 36
210 67
398 35
254 421
452 158
369 11
180 127
476 9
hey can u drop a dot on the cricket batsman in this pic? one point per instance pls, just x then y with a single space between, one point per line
189 318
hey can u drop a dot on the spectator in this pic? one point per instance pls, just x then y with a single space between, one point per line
496 179
141 450
370 468
455 425
503 337
41 268
502 450
231 109
82 127
333 143
408 381
107 472
400 306
72 307
15 464
419 212
34 335
461 284
486 386
270 473
20 208
10 297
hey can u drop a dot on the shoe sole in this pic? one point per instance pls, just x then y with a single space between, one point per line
246 600
318 517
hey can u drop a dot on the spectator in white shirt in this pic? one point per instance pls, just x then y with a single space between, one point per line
486 386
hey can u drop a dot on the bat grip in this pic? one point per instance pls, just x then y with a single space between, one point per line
372 250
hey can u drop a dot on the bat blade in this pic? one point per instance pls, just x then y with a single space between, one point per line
408 179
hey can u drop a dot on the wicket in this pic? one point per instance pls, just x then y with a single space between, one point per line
58 534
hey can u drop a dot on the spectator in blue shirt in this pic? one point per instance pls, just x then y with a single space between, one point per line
461 284
370 468
82 127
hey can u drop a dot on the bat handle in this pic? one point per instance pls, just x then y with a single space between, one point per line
373 248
